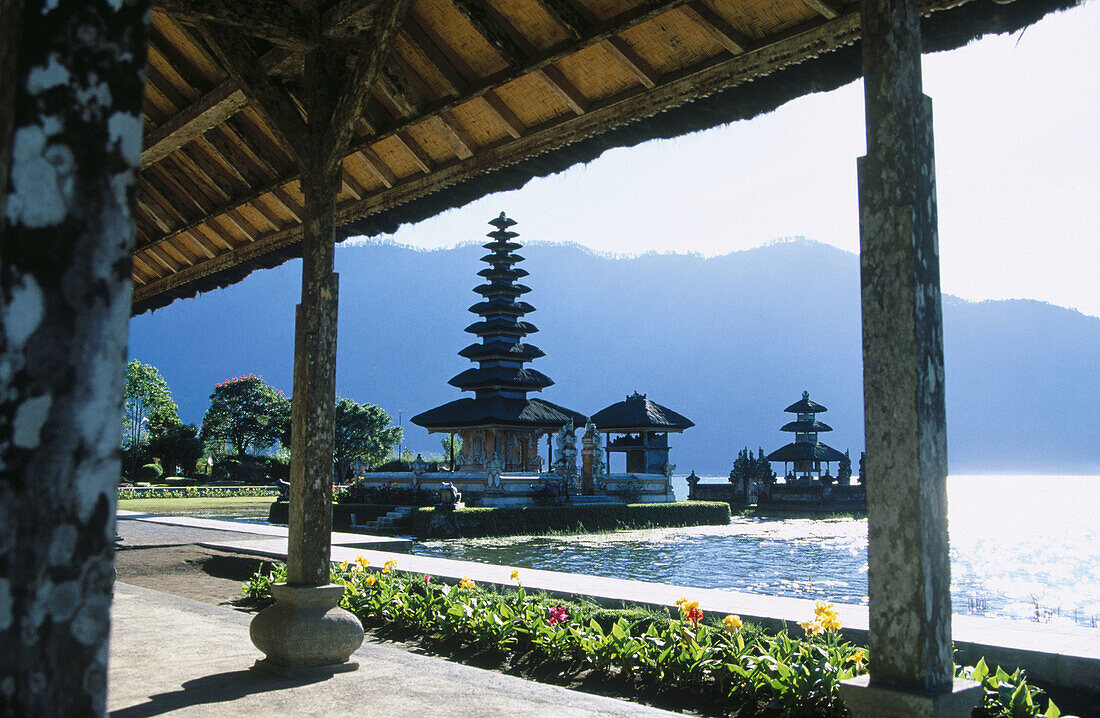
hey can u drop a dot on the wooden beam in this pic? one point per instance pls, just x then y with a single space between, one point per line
635 65
828 9
716 26
283 199
267 94
500 110
145 267
234 217
161 258
215 107
150 209
169 248
513 48
273 20
357 86
557 83
378 167
419 156
413 34
201 242
270 217
452 133
575 18
390 85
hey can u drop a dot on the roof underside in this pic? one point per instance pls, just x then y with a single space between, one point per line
476 96
805 451
498 412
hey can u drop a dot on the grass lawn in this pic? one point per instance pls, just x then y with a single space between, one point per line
235 504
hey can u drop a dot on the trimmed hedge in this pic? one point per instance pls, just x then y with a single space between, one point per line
534 520
341 513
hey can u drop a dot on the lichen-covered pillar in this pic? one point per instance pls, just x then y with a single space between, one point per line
313 408
306 628
909 573
70 127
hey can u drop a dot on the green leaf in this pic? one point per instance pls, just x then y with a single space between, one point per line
1052 710
981 670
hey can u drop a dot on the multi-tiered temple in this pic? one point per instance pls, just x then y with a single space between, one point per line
500 427
805 456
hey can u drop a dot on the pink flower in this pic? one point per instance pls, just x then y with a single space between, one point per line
427 578
558 615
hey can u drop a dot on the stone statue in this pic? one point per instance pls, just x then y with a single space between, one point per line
565 456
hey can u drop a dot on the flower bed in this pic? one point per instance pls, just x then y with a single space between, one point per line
689 659
194 492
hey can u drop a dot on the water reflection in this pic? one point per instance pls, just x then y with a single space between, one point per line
1023 547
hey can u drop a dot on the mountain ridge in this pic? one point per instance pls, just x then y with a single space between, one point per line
728 341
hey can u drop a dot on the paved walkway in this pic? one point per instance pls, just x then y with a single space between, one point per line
173 656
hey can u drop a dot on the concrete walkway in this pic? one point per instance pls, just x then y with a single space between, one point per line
173 656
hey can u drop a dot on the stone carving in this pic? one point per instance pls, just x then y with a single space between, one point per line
565 456
493 469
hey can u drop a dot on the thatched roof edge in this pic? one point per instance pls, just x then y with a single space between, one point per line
943 30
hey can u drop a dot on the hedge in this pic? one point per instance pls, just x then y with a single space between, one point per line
534 520
341 513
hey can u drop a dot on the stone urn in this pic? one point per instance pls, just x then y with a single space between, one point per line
306 628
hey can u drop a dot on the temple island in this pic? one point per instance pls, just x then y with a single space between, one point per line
501 429
807 483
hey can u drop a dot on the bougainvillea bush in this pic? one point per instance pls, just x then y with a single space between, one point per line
715 664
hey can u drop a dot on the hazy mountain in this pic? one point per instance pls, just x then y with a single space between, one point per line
727 341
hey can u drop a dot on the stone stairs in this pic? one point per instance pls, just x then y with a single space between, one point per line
387 524
594 500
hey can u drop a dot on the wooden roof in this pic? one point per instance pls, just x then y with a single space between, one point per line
474 96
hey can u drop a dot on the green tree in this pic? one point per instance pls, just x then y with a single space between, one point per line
147 397
452 448
364 432
245 415
175 444
147 401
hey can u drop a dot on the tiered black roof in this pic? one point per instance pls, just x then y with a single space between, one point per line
638 413
500 382
806 447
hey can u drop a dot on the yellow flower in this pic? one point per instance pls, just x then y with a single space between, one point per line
389 566
466 582
812 628
731 622
515 575
859 658
363 563
370 580
356 568
344 565
831 622
680 602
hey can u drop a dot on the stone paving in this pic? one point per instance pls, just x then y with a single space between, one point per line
174 656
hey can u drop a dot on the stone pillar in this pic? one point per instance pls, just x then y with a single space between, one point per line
70 144
909 575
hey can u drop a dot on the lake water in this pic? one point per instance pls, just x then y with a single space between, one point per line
1026 547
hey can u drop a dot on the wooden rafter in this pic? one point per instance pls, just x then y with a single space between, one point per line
377 167
826 8
716 26
557 83
513 48
273 20
635 65
575 18
266 94
416 152
503 114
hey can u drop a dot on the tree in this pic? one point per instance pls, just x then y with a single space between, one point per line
147 401
245 415
452 449
175 444
147 397
364 432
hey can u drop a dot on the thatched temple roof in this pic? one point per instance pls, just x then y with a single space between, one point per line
475 96
637 413
805 451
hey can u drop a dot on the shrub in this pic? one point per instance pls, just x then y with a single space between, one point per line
534 520
394 495
150 472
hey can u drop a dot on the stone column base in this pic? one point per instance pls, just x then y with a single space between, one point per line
306 629
864 700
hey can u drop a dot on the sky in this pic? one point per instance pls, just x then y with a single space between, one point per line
1017 131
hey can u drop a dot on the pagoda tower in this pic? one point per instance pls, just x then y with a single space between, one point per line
500 426
806 453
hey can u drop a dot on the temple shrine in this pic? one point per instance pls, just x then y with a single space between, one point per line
805 455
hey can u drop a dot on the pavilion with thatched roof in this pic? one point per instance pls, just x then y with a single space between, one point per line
151 151
644 426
